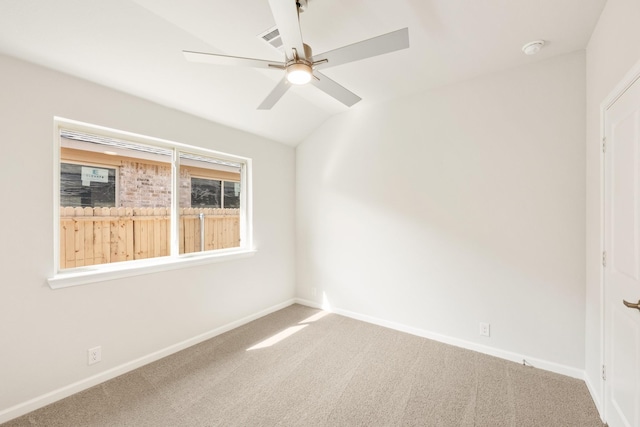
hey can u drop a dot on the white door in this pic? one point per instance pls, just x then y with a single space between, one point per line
622 271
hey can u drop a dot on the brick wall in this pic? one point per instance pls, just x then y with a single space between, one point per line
149 186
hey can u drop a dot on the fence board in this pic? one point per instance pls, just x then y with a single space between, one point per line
165 237
220 235
113 238
106 234
70 251
136 235
208 234
88 238
78 238
103 235
188 234
98 255
129 251
156 233
63 246
150 233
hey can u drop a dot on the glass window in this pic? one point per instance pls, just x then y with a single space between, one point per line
214 193
101 222
87 185
208 221
205 193
231 194
115 201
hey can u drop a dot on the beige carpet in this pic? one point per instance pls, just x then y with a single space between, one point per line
334 371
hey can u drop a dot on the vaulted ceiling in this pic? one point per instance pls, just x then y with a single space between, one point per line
136 46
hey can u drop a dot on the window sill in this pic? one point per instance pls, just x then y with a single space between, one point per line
92 274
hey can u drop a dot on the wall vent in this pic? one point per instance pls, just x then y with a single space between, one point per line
272 38
272 35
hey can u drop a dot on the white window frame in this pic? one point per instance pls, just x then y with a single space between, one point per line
103 272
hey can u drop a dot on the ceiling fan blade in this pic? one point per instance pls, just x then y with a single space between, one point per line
285 13
333 89
386 43
211 58
275 95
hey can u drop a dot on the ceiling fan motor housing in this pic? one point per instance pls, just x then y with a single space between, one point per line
307 51
300 70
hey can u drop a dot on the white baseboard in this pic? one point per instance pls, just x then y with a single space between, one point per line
55 395
311 304
595 395
61 393
502 354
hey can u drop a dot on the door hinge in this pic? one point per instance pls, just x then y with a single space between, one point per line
604 258
604 144
604 373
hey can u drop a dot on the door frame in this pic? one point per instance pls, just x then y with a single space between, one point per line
625 83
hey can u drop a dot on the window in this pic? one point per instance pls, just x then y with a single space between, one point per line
207 221
206 193
231 194
123 199
87 185
214 193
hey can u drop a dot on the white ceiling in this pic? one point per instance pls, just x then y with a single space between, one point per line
136 46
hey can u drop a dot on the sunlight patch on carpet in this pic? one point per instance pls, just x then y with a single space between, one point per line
315 317
277 337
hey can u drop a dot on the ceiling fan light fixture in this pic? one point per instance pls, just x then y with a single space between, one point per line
299 73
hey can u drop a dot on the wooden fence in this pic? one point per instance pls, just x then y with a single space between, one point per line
91 236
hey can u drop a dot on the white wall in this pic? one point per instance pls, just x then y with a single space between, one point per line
44 333
613 49
453 207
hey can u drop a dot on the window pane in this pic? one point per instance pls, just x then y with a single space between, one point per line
115 199
231 194
87 185
205 193
206 223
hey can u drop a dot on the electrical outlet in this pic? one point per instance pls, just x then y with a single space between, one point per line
485 329
94 355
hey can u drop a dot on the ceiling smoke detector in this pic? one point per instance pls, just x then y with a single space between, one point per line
532 48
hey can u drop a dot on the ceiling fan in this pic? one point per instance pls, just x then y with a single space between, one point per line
300 65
